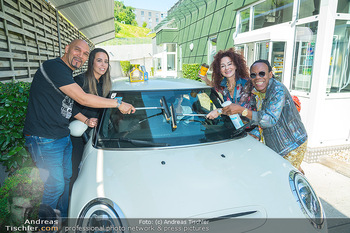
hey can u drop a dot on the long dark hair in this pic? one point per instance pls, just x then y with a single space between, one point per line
237 59
90 81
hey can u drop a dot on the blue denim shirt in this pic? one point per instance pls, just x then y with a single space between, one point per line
279 119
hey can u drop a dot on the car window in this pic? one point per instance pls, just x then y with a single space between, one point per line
152 125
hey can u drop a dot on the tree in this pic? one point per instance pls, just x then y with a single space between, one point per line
124 13
144 24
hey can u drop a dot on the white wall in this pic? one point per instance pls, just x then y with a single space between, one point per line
136 54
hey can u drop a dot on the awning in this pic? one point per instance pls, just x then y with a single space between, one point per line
94 18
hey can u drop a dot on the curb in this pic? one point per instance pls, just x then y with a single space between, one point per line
338 166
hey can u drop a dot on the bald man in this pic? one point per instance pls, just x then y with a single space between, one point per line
52 94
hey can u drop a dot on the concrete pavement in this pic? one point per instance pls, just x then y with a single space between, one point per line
333 190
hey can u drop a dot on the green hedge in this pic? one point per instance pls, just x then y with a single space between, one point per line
13 107
126 67
24 183
190 71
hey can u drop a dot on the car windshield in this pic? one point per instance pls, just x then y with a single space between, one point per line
164 118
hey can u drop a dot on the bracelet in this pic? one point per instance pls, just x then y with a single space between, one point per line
86 121
119 102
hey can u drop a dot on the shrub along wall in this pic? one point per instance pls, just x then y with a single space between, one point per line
13 108
190 71
31 32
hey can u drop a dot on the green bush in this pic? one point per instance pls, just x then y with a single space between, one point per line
144 24
126 67
117 27
152 71
13 108
24 183
190 71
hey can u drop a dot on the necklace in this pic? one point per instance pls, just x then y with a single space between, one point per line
230 89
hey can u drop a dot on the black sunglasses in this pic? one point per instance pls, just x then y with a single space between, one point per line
261 74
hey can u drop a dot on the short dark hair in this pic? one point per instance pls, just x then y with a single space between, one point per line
266 62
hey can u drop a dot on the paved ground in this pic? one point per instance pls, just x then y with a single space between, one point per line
333 190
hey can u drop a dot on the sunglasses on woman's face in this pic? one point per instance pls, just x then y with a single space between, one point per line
261 74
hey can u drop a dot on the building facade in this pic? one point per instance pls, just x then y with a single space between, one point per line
306 41
152 18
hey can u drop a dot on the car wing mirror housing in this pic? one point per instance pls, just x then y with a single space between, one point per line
77 128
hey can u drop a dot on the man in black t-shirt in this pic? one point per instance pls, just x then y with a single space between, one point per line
50 106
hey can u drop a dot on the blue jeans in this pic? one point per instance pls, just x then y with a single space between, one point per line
53 159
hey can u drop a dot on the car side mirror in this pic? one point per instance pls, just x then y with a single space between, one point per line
77 128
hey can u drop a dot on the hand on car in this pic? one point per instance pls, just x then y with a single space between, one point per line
126 108
92 122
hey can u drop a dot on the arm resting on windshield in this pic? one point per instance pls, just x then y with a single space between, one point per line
75 92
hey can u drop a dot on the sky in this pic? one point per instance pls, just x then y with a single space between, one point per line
157 5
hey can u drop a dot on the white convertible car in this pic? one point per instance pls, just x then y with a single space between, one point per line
169 168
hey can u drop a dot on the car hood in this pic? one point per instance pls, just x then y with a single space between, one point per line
217 179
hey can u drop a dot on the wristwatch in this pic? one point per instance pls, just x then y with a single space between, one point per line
245 112
119 102
220 111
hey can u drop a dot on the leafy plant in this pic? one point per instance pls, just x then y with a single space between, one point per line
126 67
117 27
13 108
152 71
124 13
190 71
25 183
144 24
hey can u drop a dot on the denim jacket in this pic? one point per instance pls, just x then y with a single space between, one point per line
279 119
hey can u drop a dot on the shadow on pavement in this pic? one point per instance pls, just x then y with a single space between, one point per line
336 221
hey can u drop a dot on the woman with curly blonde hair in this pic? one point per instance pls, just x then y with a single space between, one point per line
230 77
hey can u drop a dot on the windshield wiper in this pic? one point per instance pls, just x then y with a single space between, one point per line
163 106
137 142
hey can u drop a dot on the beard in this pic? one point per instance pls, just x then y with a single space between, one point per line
76 62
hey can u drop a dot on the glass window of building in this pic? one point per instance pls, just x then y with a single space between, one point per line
162 15
309 8
180 57
142 13
339 70
343 6
171 48
157 15
277 58
211 48
262 50
244 20
303 59
170 62
239 49
159 64
149 14
272 12
157 20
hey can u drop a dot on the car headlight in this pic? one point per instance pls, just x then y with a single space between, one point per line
101 215
307 199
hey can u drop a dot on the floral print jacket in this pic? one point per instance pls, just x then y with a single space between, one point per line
242 93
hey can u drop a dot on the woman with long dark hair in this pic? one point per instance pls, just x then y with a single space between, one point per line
97 81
